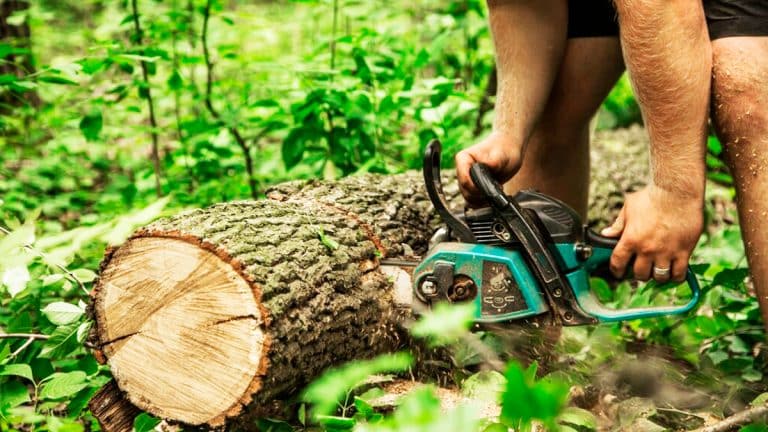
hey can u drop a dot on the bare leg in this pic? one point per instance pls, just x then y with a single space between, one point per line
530 39
740 112
556 159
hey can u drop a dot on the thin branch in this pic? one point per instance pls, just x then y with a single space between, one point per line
209 104
47 260
148 93
333 34
21 348
739 419
33 336
177 106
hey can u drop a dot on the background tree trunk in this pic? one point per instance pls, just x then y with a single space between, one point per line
17 64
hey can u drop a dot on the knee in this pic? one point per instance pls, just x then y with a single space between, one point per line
739 96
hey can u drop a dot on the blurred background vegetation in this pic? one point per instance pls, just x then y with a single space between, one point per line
216 100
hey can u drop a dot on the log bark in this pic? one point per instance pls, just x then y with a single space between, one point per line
239 304
213 312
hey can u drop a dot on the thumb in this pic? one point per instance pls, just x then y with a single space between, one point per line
617 228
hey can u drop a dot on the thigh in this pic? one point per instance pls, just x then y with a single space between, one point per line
590 68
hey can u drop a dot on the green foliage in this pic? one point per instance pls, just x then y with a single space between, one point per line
526 399
41 298
445 323
145 423
331 388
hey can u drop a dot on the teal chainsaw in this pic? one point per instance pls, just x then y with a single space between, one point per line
522 256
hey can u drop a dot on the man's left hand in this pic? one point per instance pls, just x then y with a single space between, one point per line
659 229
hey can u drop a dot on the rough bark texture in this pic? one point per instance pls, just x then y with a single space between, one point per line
113 409
312 263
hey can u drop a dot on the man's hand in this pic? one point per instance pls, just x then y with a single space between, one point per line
502 155
659 229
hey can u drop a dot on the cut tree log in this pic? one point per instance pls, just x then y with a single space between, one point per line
241 303
211 313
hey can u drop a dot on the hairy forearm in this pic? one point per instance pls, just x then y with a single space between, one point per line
668 54
529 37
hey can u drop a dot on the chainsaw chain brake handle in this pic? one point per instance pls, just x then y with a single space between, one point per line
434 185
555 285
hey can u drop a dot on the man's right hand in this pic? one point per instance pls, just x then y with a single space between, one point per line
502 155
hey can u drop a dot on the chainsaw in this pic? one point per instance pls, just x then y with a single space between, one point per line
521 257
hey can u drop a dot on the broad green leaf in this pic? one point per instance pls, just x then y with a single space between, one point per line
175 82
755 427
20 370
62 424
78 403
84 275
525 400
82 331
363 407
484 385
91 124
336 422
731 278
52 279
17 18
62 342
13 394
5 350
61 385
145 423
272 425
578 417
293 148
15 279
325 392
445 323
761 399
750 374
62 313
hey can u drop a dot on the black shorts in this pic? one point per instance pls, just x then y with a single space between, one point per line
725 18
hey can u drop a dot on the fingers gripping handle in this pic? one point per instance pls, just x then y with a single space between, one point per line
601 255
483 179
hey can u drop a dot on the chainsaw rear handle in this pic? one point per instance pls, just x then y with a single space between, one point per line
602 248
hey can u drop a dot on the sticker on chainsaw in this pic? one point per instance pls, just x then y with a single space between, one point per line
500 291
